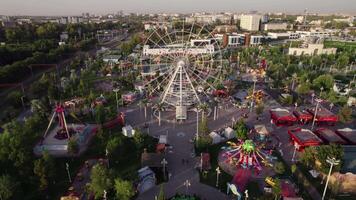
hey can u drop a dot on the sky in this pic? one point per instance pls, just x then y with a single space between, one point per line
76 7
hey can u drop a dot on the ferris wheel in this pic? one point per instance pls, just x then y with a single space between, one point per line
181 64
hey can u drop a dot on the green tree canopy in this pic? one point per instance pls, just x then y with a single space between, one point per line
99 180
345 114
326 81
7 187
124 189
241 129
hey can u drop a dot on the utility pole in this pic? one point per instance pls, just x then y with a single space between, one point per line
218 172
67 168
164 163
332 162
116 90
315 112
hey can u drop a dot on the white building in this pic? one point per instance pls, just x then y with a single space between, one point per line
274 26
256 40
312 49
250 22
320 33
285 35
234 40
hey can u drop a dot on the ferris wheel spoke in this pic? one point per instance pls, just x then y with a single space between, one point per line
208 75
159 85
156 78
201 78
169 36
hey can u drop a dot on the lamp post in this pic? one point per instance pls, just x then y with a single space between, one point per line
104 195
197 131
315 112
218 172
107 156
331 106
253 92
332 162
67 168
187 184
321 91
164 163
296 146
116 90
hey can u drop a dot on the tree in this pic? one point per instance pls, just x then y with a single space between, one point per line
332 151
325 81
279 168
139 140
161 193
100 114
277 189
345 114
44 169
303 88
293 168
73 146
241 130
124 189
259 109
7 187
203 126
99 180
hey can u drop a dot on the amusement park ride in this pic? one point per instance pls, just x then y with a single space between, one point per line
178 63
247 154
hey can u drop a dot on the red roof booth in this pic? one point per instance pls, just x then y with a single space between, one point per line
348 134
303 138
280 117
303 116
329 136
324 116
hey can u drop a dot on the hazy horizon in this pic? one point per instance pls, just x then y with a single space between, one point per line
77 7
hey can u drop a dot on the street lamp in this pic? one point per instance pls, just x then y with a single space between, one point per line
332 162
187 184
316 111
321 91
197 131
67 168
218 172
296 146
107 156
331 106
164 163
253 92
116 90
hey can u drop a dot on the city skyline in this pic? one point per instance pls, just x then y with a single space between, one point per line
68 7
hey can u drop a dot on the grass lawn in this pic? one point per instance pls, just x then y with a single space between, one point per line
338 44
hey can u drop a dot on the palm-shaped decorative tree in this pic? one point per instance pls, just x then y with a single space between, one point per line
203 108
144 102
159 107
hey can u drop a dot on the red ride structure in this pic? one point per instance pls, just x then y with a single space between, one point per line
329 136
323 116
63 132
303 116
303 138
282 117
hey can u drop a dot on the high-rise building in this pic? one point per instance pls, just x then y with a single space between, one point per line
250 22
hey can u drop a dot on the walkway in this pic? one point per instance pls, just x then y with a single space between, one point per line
179 137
